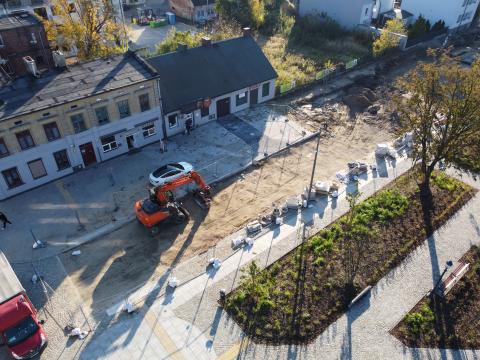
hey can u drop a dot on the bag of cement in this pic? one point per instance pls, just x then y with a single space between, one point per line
293 202
381 150
237 242
321 187
335 194
342 177
305 203
362 167
215 262
81 334
334 187
249 241
172 282
279 221
253 227
129 307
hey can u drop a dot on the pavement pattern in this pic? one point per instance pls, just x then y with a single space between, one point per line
189 317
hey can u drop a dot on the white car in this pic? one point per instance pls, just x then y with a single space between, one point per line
169 172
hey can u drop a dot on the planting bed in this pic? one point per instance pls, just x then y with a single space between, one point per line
296 298
452 322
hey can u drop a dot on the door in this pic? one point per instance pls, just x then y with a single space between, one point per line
88 154
223 107
254 96
130 142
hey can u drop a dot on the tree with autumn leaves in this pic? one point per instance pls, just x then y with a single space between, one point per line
87 26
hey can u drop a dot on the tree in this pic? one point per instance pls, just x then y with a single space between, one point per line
246 12
389 38
356 236
220 30
419 28
442 110
89 26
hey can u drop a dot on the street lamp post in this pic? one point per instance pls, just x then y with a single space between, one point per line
448 265
315 162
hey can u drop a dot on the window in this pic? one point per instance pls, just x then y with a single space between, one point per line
241 98
205 111
265 89
102 115
464 17
148 130
12 178
78 123
41 11
37 169
144 102
61 158
109 143
123 108
3 148
468 2
52 132
25 139
173 121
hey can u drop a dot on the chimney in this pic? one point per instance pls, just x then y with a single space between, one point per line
59 59
206 41
247 31
181 47
31 66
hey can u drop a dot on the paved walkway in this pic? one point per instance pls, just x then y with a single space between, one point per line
188 321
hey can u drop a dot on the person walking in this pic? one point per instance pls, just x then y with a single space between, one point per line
5 220
189 125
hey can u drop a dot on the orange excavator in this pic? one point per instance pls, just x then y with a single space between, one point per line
161 204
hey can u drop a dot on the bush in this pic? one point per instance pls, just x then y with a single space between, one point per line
445 182
418 321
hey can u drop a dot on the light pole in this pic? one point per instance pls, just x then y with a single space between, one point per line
315 162
448 265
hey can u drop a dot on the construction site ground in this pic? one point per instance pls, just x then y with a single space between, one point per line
110 268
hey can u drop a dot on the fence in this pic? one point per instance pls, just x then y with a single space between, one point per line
322 76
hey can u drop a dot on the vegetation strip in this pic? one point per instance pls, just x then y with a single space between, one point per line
297 297
450 322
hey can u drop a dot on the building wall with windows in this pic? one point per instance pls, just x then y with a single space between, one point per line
42 146
455 13
238 101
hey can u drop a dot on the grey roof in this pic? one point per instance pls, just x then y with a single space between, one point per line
18 20
9 283
202 2
202 72
29 94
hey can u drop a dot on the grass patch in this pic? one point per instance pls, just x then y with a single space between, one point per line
296 298
452 322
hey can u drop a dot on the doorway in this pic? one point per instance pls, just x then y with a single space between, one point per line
223 107
88 154
130 142
254 96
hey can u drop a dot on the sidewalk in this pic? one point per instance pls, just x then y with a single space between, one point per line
189 324
100 199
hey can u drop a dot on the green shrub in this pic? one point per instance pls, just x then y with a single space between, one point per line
445 182
418 321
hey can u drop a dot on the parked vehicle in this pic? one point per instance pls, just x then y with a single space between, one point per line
169 173
20 331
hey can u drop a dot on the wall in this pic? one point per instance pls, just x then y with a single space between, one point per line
347 13
205 15
447 10
119 128
18 44
180 128
182 8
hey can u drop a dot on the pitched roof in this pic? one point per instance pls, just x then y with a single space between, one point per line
206 72
28 94
19 20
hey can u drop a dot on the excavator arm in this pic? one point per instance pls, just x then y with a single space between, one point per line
162 192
